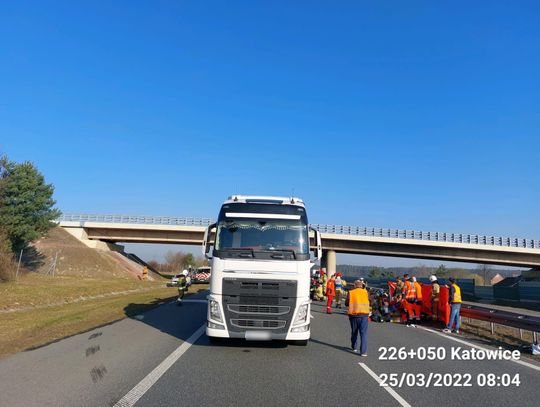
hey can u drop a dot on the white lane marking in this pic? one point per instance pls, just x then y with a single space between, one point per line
390 390
201 301
520 362
145 384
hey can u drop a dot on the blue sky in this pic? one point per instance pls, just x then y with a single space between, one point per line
420 114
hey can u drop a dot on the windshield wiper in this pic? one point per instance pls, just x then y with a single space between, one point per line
293 252
249 251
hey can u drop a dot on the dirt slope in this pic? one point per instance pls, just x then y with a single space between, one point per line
76 259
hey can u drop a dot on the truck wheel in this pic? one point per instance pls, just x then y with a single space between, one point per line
215 340
302 342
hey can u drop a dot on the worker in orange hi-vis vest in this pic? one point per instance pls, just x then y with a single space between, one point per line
418 305
330 292
145 272
358 310
409 290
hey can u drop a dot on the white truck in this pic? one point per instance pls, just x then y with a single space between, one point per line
260 280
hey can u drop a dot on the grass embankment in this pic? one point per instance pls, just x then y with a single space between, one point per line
40 309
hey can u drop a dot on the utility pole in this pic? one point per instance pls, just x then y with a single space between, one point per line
18 266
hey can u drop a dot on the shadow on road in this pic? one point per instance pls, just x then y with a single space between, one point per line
331 345
182 321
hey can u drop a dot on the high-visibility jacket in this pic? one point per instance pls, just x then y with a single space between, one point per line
410 293
319 292
330 288
358 302
457 294
418 289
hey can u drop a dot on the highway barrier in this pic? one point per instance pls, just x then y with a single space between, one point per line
500 317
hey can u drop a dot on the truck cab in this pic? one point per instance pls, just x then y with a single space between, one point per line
260 263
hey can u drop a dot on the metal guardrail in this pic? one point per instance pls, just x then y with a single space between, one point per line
429 236
495 316
334 229
144 220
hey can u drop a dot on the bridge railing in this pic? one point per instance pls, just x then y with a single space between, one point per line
145 220
335 229
430 236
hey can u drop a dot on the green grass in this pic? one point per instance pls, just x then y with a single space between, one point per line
33 327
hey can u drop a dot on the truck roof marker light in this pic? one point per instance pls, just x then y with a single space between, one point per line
261 215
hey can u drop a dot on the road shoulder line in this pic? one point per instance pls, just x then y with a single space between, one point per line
390 390
145 384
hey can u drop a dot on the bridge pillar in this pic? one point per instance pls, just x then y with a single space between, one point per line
330 263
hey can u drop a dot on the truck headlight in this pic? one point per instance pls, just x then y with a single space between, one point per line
215 313
300 329
301 315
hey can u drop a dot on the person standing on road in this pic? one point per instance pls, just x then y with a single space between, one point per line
409 294
419 297
330 292
435 292
339 284
323 279
358 310
454 298
182 286
399 286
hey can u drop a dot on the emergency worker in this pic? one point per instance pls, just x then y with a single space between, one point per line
340 285
330 292
182 286
319 293
399 286
409 295
435 292
323 279
454 299
358 309
419 297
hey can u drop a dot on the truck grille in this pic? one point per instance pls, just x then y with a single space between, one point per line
258 323
250 304
259 309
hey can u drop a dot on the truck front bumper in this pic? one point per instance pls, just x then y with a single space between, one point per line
254 335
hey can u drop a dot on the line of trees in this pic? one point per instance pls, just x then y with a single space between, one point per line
27 210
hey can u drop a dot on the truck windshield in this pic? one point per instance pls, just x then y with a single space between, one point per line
263 235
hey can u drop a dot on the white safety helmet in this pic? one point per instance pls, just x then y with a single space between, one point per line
432 278
414 279
185 273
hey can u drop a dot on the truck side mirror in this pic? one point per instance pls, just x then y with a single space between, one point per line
318 243
206 243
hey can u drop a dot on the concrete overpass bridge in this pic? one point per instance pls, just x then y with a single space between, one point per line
103 231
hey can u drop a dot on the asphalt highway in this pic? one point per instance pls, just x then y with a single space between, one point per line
160 358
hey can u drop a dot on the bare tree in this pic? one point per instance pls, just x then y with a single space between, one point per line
484 270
